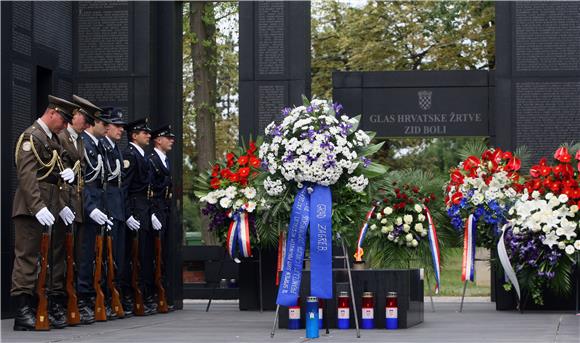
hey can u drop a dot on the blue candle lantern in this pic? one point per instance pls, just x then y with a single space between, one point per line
312 317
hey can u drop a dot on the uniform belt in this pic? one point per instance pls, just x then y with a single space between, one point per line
140 194
114 182
52 179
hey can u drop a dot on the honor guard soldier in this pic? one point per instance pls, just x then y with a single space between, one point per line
115 200
139 219
40 171
94 211
162 189
72 196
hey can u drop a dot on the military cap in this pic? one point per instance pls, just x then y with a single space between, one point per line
114 115
164 131
63 107
138 125
90 110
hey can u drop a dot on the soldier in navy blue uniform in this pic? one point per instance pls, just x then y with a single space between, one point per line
93 204
115 198
162 188
137 187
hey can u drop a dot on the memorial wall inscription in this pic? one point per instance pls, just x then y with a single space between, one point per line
104 27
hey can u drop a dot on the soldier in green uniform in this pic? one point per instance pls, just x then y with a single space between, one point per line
37 204
71 195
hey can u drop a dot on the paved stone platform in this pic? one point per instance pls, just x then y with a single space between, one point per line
224 323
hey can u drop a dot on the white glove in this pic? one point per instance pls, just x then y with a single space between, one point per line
68 175
109 227
67 215
44 216
133 224
99 217
155 222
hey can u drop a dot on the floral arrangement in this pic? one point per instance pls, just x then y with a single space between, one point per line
314 144
402 220
485 187
229 190
398 234
543 237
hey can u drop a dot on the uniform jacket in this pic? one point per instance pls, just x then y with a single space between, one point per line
115 204
31 194
72 195
137 178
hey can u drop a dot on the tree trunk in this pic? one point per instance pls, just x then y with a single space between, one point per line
204 54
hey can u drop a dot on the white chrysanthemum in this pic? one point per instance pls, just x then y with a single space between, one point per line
570 250
251 206
563 198
249 192
225 202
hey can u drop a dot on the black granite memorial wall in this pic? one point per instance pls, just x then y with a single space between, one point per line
274 60
125 54
537 75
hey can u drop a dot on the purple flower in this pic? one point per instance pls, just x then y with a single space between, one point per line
276 131
366 161
286 111
310 109
289 157
344 128
337 108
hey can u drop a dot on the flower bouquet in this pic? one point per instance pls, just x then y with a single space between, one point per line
315 160
480 192
542 237
229 191
402 230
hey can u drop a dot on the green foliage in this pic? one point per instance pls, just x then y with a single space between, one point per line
399 35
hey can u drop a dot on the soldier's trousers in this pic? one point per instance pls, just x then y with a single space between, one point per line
86 262
59 257
140 210
28 236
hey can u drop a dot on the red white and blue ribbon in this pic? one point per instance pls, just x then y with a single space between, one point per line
239 232
435 252
505 261
362 234
468 266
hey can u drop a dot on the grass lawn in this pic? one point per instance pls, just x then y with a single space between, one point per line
451 284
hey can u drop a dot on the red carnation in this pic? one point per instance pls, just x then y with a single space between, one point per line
234 177
243 160
244 172
255 162
215 183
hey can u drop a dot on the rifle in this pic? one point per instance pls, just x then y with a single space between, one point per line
72 309
42 320
161 301
139 306
100 311
115 296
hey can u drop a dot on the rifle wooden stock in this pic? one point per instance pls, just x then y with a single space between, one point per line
42 320
139 306
115 296
72 309
100 310
161 300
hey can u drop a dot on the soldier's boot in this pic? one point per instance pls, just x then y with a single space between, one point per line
127 302
111 315
25 317
57 314
86 312
150 304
